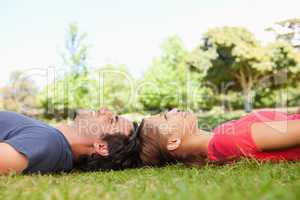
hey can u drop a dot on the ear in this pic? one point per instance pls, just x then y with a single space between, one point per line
173 143
101 148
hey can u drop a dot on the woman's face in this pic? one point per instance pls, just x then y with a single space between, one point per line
171 124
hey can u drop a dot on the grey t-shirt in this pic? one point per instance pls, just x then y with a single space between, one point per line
45 147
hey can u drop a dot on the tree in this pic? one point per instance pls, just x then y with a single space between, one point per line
162 84
113 87
168 83
75 54
72 89
285 61
287 30
238 59
20 94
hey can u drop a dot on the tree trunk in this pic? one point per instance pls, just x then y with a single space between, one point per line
247 100
246 83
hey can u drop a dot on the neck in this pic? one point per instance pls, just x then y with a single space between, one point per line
80 145
195 145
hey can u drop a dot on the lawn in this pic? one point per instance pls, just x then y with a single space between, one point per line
245 180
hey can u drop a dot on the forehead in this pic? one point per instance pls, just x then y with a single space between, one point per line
154 118
158 124
103 118
180 121
124 121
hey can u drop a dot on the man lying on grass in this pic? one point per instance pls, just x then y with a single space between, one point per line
175 137
95 140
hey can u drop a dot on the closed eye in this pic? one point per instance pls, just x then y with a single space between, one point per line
165 116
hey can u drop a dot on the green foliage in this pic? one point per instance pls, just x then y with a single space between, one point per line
230 68
293 96
163 83
73 89
80 87
76 84
287 30
239 61
75 54
62 96
169 83
266 97
285 60
19 95
114 88
215 117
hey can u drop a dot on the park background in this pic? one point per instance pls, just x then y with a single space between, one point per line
218 59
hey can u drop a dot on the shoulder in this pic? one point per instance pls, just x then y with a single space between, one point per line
43 146
34 141
11 159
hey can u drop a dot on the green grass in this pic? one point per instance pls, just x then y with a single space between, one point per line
244 180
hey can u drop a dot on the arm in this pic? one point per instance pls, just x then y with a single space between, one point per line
11 160
276 135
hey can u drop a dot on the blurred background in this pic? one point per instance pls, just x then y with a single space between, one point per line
138 58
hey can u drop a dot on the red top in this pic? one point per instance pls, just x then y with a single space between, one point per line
233 139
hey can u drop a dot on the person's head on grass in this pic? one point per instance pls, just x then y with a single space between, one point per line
168 138
102 140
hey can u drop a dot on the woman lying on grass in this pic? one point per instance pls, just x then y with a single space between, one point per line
175 137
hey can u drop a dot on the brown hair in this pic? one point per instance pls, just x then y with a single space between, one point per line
153 151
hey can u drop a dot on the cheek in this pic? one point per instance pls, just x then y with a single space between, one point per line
190 127
169 128
97 128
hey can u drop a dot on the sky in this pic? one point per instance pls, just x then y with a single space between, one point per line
32 32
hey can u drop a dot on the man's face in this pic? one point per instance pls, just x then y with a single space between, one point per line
101 122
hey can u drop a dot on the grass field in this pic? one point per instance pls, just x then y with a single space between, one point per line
244 180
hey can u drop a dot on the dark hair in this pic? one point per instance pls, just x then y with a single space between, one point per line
154 153
151 152
123 153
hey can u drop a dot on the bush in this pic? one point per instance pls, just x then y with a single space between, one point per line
208 121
